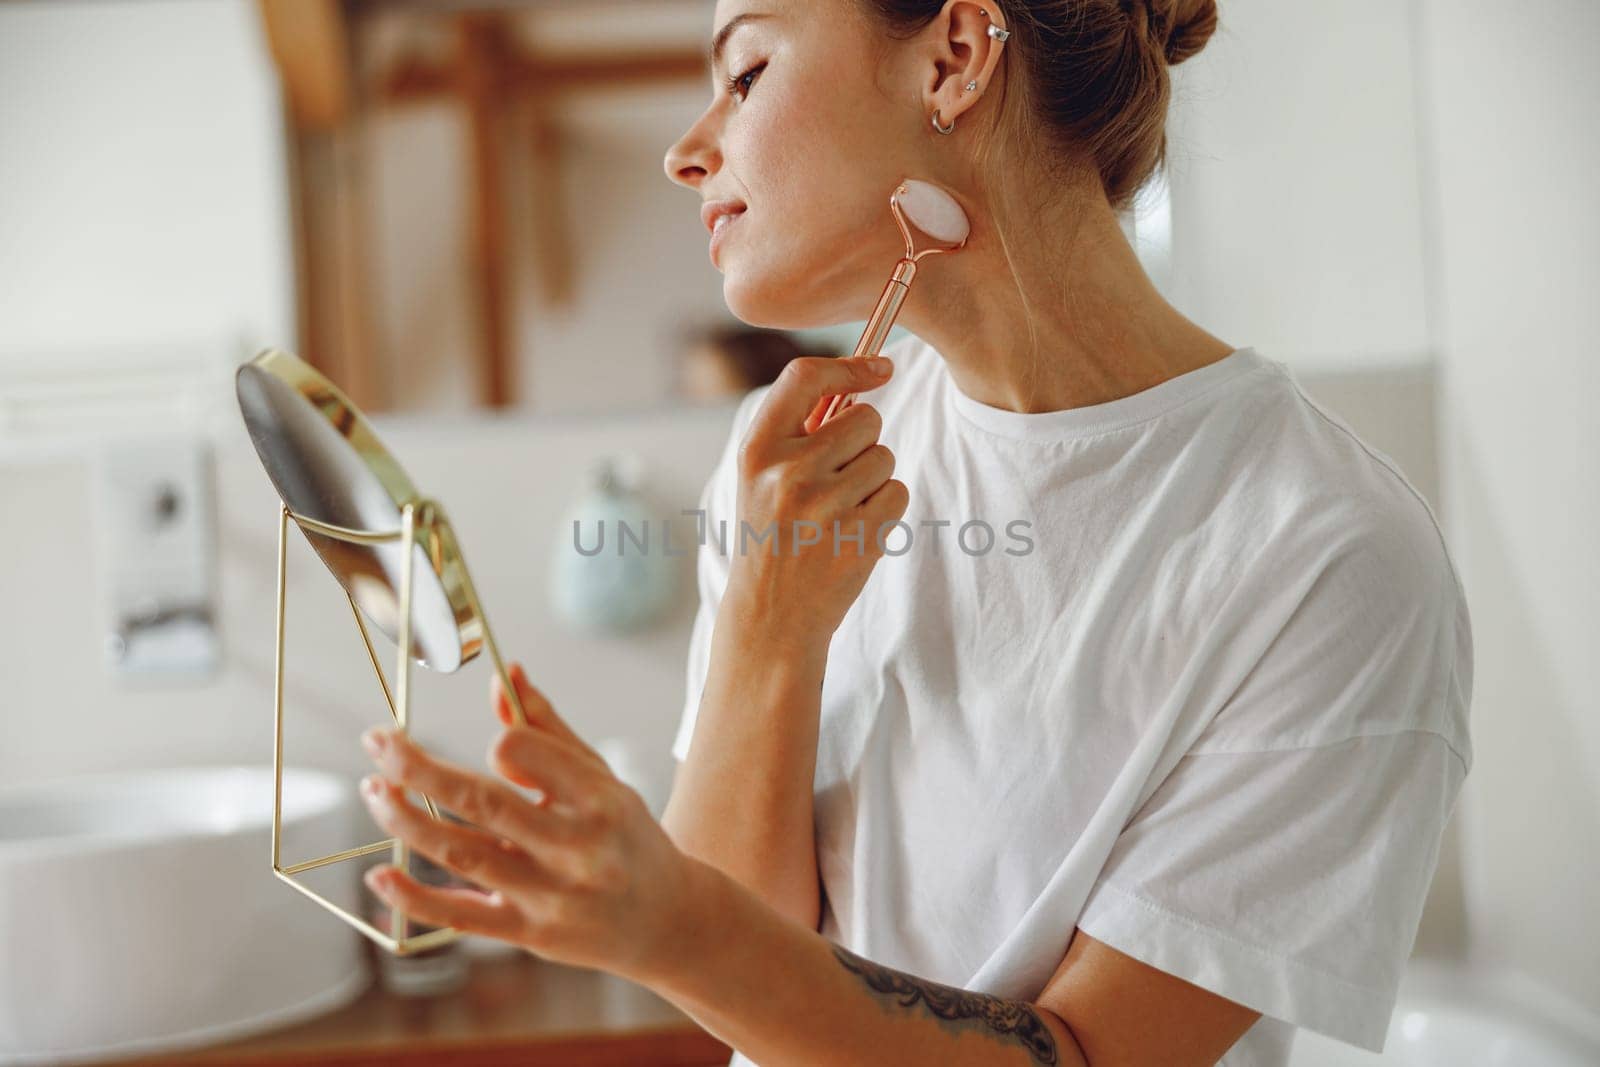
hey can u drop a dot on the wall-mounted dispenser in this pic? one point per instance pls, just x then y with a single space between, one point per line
156 533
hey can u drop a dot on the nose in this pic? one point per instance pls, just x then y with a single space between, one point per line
694 157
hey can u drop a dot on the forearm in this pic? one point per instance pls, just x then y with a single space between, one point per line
786 996
743 798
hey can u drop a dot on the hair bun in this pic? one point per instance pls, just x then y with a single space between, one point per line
1182 27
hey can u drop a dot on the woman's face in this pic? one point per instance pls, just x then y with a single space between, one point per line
813 137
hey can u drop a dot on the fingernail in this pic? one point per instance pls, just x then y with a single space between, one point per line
374 742
376 877
371 788
880 366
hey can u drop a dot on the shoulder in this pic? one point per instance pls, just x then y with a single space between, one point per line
1347 595
1354 632
1391 528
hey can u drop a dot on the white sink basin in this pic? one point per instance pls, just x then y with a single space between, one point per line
1452 1017
138 912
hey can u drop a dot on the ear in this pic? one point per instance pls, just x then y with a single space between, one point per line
963 53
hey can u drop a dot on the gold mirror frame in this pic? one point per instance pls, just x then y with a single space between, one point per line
288 408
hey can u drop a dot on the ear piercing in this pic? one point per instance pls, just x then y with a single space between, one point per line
1000 36
995 31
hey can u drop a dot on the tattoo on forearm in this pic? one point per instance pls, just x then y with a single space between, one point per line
958 1009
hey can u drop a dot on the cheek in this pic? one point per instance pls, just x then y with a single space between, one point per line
815 194
784 152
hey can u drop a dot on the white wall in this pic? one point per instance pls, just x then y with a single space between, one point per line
142 195
1512 99
1295 200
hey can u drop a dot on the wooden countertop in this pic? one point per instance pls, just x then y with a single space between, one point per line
515 1010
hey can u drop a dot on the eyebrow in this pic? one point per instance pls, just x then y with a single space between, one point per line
721 40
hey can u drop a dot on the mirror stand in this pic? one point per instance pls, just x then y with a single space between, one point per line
422 522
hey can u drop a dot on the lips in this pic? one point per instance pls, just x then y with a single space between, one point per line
712 210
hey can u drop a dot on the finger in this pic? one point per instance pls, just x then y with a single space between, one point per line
814 420
828 409
471 853
847 435
535 710
839 404
481 800
530 758
467 910
887 505
806 381
866 474
536 707
544 714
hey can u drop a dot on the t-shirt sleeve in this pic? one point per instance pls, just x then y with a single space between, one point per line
719 505
1284 860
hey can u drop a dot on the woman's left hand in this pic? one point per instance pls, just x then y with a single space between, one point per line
579 873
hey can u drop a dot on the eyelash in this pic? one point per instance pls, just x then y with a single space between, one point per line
733 83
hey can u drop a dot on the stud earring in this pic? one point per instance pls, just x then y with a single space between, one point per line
971 86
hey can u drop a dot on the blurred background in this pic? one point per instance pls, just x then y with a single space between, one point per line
458 211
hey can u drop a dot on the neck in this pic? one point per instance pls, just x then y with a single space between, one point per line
1081 324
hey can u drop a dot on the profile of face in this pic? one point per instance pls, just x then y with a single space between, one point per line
816 117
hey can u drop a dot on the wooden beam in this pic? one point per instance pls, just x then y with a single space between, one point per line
484 54
303 203
310 46
412 80
564 75
544 77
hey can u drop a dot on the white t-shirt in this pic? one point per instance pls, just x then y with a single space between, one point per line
1209 705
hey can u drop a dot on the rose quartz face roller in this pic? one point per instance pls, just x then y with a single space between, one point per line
934 212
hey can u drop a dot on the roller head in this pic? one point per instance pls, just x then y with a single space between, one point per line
933 211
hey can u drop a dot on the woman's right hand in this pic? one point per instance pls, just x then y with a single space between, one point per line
796 480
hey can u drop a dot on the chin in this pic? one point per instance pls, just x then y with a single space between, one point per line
790 300
772 303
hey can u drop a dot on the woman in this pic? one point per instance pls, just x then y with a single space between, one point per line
1152 772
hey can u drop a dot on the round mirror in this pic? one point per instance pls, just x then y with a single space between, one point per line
328 465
